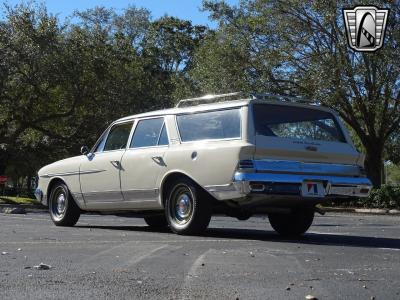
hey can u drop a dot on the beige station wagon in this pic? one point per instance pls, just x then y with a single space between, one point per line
211 155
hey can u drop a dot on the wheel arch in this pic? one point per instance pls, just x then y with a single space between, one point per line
171 177
53 181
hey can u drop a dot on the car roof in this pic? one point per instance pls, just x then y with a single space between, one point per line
219 106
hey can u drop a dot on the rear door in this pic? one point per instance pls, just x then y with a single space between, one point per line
143 162
285 132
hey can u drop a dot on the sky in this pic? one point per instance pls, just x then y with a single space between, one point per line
184 9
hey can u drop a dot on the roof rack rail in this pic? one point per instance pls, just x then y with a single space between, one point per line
234 96
206 99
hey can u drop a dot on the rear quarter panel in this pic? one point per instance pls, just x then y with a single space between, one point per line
208 162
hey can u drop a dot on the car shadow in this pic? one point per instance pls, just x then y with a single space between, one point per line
307 238
270 236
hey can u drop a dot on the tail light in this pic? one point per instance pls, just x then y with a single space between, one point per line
246 164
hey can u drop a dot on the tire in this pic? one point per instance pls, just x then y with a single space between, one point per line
188 209
63 209
156 221
293 224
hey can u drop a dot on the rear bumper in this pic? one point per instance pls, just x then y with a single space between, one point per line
272 184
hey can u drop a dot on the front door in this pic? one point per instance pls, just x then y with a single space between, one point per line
100 173
143 162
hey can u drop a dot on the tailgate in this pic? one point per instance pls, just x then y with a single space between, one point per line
307 151
299 133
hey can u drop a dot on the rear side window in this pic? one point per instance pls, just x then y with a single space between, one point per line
222 124
150 133
117 137
296 122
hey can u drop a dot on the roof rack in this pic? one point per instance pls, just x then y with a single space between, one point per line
234 96
207 99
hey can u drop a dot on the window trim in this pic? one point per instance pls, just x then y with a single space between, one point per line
334 118
106 133
239 109
146 147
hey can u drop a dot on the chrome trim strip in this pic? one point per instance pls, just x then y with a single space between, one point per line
49 175
299 178
140 194
223 191
102 196
297 167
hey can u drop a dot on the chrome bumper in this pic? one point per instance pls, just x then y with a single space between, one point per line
38 194
291 184
273 184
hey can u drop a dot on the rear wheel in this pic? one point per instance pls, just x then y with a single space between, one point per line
293 224
156 221
188 209
63 209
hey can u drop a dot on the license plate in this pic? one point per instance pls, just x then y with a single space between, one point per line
312 189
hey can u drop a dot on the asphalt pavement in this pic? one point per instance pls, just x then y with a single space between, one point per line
343 256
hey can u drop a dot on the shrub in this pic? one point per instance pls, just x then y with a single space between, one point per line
386 196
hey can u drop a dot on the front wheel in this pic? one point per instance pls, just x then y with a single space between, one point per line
188 209
293 224
63 209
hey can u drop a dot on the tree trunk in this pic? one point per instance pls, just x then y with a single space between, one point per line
374 165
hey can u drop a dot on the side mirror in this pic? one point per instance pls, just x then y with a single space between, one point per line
85 150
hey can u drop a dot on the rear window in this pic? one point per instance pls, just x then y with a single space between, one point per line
296 122
211 125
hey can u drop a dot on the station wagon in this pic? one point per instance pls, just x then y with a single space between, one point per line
224 154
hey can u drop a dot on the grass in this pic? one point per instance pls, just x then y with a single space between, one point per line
17 200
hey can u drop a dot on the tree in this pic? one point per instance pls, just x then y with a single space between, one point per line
61 84
300 48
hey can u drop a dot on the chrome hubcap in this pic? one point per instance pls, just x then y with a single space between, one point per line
181 210
58 204
61 204
183 207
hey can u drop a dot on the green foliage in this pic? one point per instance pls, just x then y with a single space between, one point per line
61 84
17 200
386 196
393 174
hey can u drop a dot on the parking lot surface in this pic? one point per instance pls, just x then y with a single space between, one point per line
343 256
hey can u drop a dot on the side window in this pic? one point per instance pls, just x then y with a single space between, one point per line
223 124
118 137
163 140
149 133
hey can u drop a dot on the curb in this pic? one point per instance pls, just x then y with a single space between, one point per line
34 207
370 211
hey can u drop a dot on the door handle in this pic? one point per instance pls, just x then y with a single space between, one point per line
116 163
158 160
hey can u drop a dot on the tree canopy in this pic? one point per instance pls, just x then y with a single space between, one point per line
61 83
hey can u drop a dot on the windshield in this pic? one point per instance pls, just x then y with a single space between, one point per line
296 122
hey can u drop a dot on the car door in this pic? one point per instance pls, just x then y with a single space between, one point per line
100 172
143 162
